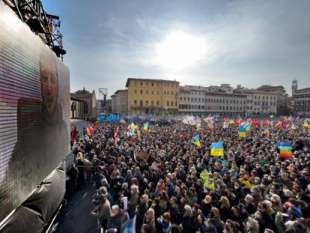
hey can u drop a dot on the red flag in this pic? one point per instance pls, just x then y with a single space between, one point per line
90 131
239 122
255 123
279 125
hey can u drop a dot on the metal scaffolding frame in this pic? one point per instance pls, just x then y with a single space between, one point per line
45 25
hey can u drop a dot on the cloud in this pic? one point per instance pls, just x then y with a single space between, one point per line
248 42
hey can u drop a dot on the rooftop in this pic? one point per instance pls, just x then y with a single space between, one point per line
83 91
119 91
149 80
302 90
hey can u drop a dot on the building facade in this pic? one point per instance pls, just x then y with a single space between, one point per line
301 100
120 102
282 98
225 103
201 101
192 99
77 110
152 96
89 98
259 102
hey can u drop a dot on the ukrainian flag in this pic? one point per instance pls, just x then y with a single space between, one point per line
217 149
208 182
242 134
243 129
196 141
146 127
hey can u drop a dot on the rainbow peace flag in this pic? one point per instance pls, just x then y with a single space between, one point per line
285 150
245 126
217 149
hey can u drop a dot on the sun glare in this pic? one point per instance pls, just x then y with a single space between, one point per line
180 50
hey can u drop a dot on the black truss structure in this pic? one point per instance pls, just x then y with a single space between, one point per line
45 25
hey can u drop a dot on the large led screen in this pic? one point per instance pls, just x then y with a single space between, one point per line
34 111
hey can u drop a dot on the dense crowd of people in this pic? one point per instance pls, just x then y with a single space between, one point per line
151 182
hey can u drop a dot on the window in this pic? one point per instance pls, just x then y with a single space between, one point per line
146 102
135 102
157 103
167 103
152 102
171 103
152 84
141 83
141 92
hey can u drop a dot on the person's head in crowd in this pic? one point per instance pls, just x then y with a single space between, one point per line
253 186
252 226
215 213
115 210
150 215
188 211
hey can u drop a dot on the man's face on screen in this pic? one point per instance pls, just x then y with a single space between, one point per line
49 86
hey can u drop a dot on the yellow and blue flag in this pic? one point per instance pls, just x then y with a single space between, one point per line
207 181
146 127
243 129
217 149
196 140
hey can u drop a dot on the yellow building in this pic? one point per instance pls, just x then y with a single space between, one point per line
152 96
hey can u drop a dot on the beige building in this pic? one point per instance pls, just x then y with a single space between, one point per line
282 98
259 102
225 103
301 100
192 99
89 98
152 96
120 102
204 100
77 110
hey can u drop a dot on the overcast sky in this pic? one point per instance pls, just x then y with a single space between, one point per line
197 42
